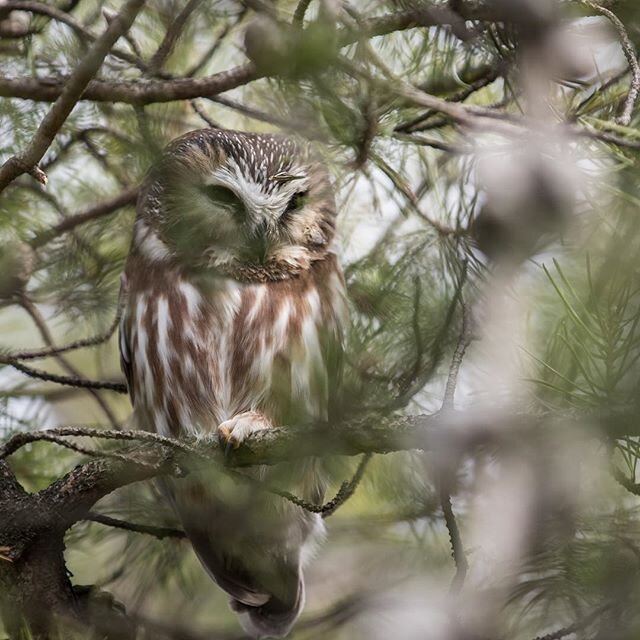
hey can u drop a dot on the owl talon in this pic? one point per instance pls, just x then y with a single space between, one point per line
234 431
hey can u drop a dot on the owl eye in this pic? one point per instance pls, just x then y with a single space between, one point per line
298 200
222 196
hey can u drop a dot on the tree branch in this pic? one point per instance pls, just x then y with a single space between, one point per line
171 36
632 60
70 94
124 199
70 381
372 435
72 346
157 532
132 92
47 338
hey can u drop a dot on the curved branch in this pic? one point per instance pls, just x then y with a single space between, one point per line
132 92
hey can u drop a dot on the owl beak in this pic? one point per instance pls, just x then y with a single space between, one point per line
259 241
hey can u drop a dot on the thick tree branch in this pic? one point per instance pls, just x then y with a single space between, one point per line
132 92
49 88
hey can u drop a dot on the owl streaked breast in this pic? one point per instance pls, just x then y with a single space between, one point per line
233 321
202 352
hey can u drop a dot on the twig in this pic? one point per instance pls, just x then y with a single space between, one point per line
124 199
347 489
42 327
576 626
40 8
72 346
622 480
256 114
401 185
172 35
630 55
457 550
327 509
202 115
69 96
19 440
489 76
71 381
215 45
301 9
422 140
458 355
67 444
157 532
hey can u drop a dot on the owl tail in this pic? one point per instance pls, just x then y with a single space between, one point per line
268 599
273 619
264 581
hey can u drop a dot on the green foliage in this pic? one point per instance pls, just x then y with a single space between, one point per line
406 237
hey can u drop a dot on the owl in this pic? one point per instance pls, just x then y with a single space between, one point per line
233 319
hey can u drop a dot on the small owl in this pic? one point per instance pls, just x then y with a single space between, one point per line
234 310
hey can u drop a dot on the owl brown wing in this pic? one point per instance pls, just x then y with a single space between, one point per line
124 344
262 575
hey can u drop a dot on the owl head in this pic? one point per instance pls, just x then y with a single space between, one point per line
252 206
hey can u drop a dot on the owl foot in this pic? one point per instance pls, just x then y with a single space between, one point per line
234 431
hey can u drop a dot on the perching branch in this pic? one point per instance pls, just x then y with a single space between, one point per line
374 435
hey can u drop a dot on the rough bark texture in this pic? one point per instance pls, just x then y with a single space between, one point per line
34 585
35 590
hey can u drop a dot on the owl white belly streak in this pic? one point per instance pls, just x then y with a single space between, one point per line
202 354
